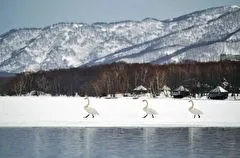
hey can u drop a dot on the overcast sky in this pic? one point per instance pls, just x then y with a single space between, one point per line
41 13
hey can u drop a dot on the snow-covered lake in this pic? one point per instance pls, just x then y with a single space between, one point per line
47 111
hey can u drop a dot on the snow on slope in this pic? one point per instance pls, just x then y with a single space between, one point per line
120 112
14 40
192 39
66 45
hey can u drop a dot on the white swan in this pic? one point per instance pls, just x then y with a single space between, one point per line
149 110
89 109
194 111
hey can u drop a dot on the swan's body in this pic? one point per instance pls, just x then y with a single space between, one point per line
194 111
149 111
89 109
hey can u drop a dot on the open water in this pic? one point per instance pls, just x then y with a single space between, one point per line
119 142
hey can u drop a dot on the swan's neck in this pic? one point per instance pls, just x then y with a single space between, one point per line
88 102
146 105
192 105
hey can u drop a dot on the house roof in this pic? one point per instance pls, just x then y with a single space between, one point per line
166 88
218 89
181 88
140 88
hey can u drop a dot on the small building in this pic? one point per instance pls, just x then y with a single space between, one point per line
225 84
229 57
218 93
166 90
193 85
36 93
180 92
140 89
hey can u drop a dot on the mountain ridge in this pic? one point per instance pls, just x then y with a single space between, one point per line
66 45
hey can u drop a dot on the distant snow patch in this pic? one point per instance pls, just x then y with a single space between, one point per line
235 6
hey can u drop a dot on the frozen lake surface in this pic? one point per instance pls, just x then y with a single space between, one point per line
47 111
119 142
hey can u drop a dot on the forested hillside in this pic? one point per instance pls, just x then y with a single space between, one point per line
123 78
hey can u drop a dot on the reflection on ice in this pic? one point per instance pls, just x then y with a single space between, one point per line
89 136
194 137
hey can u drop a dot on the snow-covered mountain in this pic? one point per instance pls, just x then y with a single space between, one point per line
201 36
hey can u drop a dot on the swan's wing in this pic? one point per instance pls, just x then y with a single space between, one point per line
151 111
196 111
93 111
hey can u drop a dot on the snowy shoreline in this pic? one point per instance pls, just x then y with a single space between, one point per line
47 111
107 125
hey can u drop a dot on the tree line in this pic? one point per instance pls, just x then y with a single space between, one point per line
123 78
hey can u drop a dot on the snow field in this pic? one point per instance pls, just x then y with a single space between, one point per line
47 111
